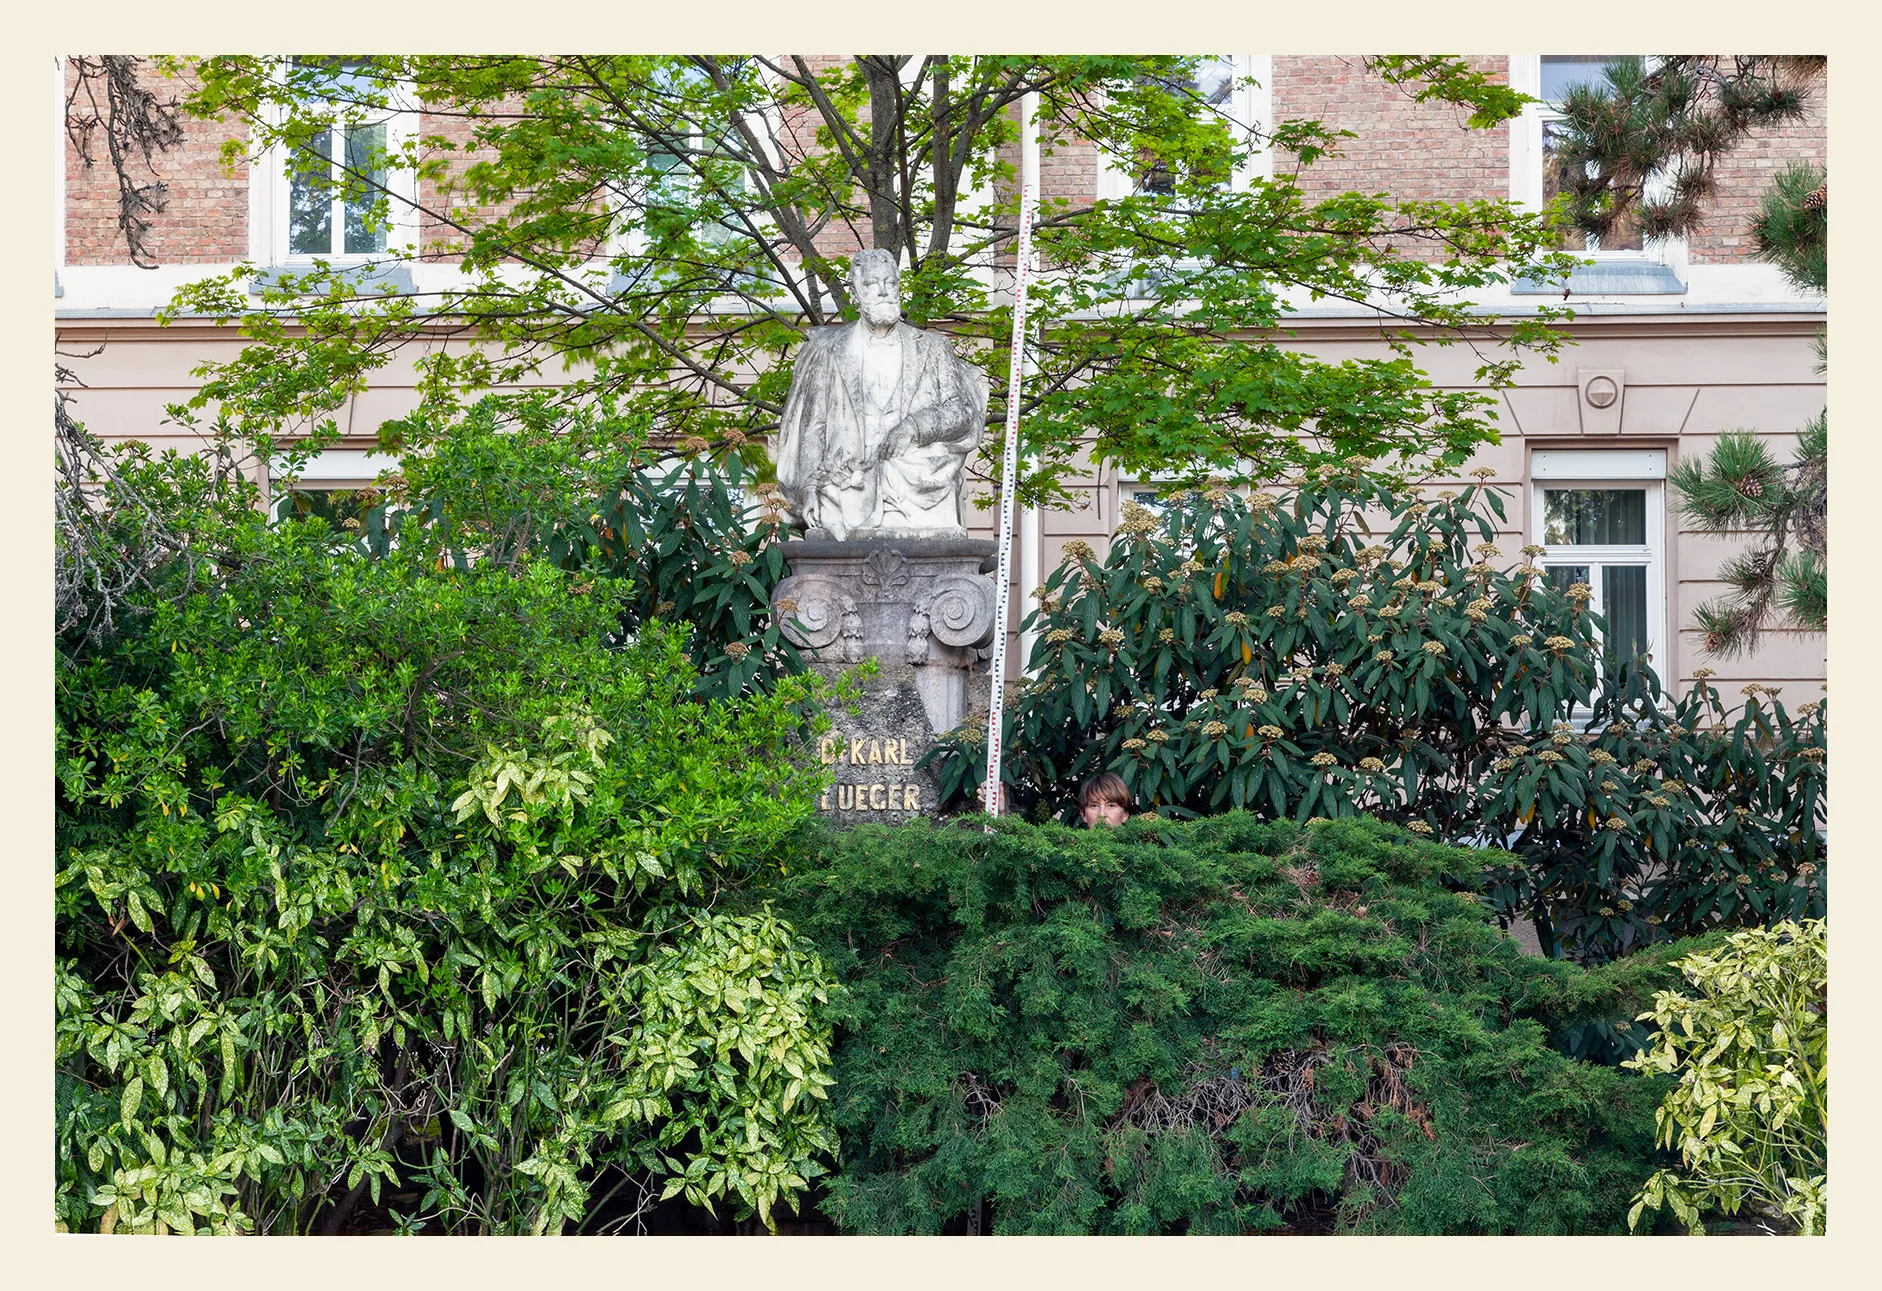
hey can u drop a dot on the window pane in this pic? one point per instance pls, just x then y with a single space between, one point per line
365 157
1624 236
310 200
1552 132
1624 598
335 506
1560 73
1584 517
1563 577
1215 81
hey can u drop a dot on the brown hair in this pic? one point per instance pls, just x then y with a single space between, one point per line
1106 786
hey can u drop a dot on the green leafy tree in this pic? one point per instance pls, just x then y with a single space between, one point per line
1208 1026
661 232
411 879
690 541
1343 648
1751 1114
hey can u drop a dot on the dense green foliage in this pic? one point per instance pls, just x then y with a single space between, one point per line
656 231
1751 1114
1344 648
415 869
691 539
1219 1025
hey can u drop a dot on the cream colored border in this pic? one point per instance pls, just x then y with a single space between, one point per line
37 1257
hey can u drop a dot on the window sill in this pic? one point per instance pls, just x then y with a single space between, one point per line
364 274
1607 278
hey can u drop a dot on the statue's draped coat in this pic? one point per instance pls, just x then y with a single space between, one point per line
840 476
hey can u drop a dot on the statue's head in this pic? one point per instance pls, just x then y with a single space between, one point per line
876 282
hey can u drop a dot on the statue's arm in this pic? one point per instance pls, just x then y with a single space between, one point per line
796 438
955 409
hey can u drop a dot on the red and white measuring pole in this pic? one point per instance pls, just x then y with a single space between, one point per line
1009 471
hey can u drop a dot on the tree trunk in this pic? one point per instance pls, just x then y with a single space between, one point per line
944 187
885 86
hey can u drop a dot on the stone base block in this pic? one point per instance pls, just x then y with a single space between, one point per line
923 609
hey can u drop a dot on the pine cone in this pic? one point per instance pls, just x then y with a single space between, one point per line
1751 487
1817 198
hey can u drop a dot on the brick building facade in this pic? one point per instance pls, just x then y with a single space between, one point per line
1703 339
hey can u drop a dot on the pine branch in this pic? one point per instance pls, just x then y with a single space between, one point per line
1741 487
1671 122
1792 228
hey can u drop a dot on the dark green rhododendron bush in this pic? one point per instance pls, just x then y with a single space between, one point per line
1343 647
1220 1025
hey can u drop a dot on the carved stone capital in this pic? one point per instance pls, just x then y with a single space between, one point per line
811 610
961 611
884 571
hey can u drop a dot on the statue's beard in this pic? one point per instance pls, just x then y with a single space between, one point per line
882 313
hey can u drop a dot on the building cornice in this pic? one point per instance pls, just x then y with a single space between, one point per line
1763 319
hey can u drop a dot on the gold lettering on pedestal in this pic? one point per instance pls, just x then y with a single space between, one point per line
864 750
879 796
845 749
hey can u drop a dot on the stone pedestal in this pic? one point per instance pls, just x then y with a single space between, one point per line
923 609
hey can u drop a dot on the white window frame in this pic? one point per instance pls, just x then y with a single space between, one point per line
268 234
1127 490
1526 166
1641 469
327 471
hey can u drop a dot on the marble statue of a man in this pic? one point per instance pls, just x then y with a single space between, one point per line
879 421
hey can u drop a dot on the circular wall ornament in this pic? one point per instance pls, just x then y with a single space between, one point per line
1602 391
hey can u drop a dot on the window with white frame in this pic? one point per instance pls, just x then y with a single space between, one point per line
1233 87
329 200
1144 494
339 486
1558 75
681 163
1212 84
672 181
1599 517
